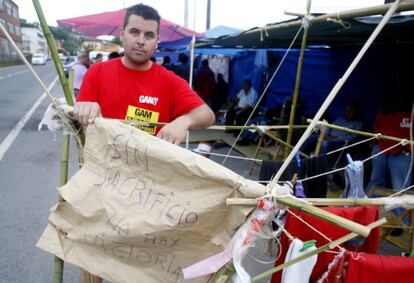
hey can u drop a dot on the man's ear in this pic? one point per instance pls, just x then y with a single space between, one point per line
121 35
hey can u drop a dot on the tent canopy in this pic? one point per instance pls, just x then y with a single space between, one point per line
353 31
110 23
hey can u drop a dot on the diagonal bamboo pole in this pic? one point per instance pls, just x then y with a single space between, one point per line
361 133
317 251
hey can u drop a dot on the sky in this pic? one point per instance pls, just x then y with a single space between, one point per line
243 14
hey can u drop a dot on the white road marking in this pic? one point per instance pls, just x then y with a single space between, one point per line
7 142
1 78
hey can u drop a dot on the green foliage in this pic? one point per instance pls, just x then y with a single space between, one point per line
117 41
70 42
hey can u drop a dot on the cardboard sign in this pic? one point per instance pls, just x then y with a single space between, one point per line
141 209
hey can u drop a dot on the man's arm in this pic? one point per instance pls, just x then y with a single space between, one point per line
199 118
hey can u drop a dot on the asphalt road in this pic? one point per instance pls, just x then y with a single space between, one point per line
29 176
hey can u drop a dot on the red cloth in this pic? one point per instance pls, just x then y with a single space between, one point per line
370 268
159 95
396 125
363 215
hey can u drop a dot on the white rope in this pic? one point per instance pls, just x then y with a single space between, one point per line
400 192
351 145
343 168
264 92
229 156
311 227
55 102
335 90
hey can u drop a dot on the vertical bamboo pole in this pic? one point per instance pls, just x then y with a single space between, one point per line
297 82
64 169
54 52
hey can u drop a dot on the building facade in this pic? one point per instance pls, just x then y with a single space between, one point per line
33 40
9 18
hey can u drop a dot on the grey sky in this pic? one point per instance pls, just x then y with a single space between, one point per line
242 14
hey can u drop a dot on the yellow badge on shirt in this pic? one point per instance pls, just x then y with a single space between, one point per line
144 115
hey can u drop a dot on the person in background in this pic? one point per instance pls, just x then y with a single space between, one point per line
205 82
394 119
221 92
183 69
98 58
80 68
335 139
166 63
113 55
244 103
141 86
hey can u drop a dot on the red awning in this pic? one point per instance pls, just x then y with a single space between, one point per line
110 23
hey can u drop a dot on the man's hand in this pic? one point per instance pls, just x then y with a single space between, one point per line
175 131
199 118
86 112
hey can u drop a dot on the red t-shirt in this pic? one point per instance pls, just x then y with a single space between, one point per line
155 95
395 124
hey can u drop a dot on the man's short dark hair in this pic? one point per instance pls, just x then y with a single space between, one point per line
144 11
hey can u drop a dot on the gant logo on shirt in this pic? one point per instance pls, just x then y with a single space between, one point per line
148 99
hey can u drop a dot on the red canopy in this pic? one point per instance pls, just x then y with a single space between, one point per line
110 23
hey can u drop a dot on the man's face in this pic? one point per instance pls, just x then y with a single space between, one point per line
139 38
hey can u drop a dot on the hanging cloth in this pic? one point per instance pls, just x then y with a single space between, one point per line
373 268
361 214
301 271
354 179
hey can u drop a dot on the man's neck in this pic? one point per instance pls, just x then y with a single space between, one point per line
138 67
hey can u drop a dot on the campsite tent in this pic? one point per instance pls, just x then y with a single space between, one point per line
331 47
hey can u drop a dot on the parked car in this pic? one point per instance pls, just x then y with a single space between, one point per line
38 59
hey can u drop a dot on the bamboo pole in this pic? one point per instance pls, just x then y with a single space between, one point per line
355 13
64 170
318 201
361 133
308 209
54 52
283 142
317 251
324 215
298 79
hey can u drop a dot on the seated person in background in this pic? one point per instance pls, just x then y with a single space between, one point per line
394 119
335 139
244 103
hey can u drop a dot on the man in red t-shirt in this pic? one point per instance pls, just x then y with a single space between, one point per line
134 88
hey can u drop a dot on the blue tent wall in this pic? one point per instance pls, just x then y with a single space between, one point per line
372 80
242 67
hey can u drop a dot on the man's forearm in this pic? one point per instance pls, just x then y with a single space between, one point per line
199 118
